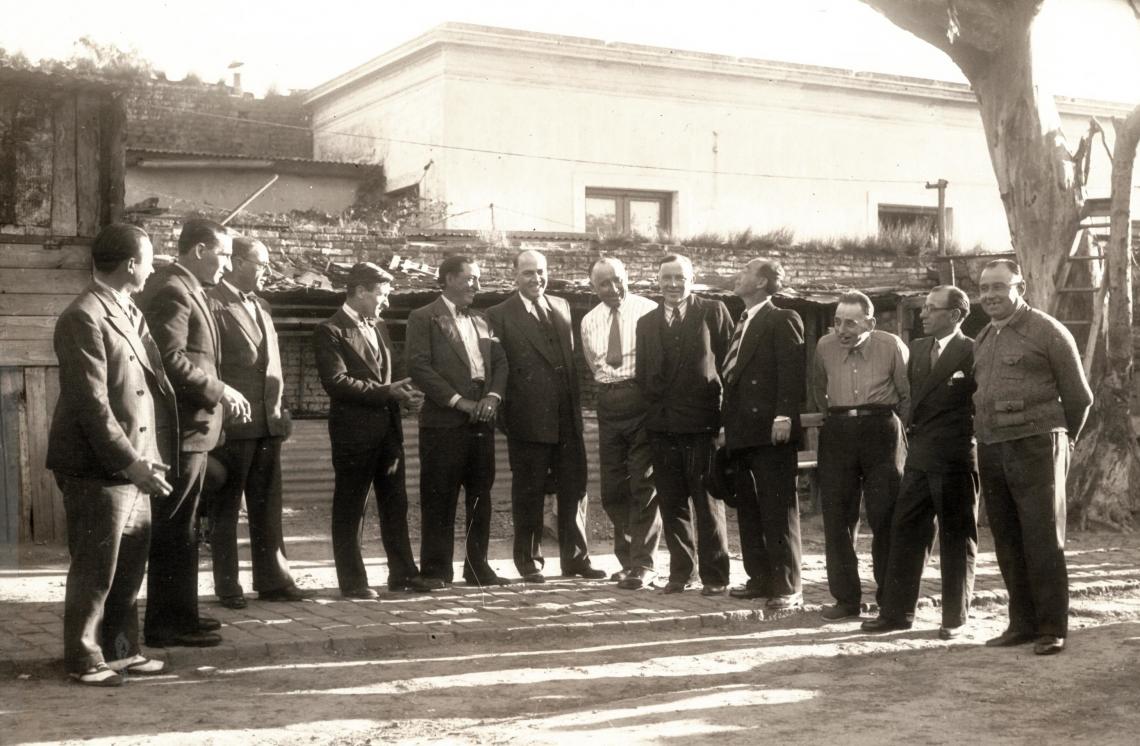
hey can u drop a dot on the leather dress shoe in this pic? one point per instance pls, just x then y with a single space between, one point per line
637 580
534 577
949 633
196 639
746 593
286 594
713 589
1048 645
1009 638
620 575
415 584
675 586
884 624
489 580
787 601
98 675
233 602
361 593
589 572
208 624
839 612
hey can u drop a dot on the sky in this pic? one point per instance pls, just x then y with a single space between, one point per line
1089 48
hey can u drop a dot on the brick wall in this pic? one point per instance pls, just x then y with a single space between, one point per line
207 118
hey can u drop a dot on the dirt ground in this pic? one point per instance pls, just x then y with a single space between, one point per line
796 682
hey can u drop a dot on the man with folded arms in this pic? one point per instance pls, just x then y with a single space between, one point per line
764 374
859 381
940 481
251 452
355 363
1031 404
626 464
113 437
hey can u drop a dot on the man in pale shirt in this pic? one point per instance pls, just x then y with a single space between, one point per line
859 380
626 462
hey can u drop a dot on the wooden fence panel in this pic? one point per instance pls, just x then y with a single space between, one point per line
38 256
11 391
88 115
31 505
34 304
47 503
64 216
34 281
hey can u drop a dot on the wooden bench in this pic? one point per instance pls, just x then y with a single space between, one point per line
808 458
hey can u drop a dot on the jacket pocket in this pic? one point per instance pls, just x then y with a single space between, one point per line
1011 366
1009 412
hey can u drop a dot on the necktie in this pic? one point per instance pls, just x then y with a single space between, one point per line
934 352
543 316
734 345
136 317
674 317
613 348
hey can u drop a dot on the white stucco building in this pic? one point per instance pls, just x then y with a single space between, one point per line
572 134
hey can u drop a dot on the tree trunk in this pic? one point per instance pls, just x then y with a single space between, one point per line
1106 459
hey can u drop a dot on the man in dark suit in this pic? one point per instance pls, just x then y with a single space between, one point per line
764 377
178 312
251 452
355 362
113 436
543 420
940 478
455 360
681 348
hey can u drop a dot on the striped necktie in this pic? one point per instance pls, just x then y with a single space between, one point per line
613 348
734 345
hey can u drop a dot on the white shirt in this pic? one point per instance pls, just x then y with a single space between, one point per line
469 333
943 341
249 305
120 297
529 305
596 337
366 330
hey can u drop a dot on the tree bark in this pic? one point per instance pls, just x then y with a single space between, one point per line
1106 461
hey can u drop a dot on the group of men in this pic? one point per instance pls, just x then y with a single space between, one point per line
156 403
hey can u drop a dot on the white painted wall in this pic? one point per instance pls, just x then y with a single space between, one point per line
738 148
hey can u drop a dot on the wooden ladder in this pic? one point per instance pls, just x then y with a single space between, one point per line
1093 233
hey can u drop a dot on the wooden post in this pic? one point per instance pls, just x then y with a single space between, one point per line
946 265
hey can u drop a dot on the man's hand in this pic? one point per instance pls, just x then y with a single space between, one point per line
236 406
486 408
781 432
149 476
403 391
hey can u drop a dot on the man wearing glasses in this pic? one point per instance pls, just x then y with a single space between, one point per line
251 453
1031 403
940 479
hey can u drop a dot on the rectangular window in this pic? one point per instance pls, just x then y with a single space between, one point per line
895 217
611 212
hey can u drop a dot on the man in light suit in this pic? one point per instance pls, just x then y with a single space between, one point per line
764 382
355 362
681 348
455 360
113 436
251 452
178 312
543 421
940 478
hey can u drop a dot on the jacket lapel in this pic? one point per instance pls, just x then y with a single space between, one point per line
356 342
235 308
944 367
751 341
118 319
450 330
198 298
690 328
530 328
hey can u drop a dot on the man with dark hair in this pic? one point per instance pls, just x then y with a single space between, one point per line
114 435
940 480
763 375
629 497
1030 407
859 381
251 452
366 390
178 312
681 348
542 416
454 358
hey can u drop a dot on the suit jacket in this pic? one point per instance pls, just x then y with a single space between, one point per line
536 370
362 411
115 402
251 363
684 397
438 363
767 380
179 316
940 425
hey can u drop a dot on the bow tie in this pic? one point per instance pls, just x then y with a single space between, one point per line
369 321
247 297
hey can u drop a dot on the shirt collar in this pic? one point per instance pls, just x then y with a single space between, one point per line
756 308
529 304
681 308
120 297
351 313
241 294
943 341
1017 309
450 306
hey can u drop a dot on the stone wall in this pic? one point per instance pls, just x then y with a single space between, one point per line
196 117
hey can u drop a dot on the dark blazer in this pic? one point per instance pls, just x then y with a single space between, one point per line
251 363
179 316
438 364
115 402
940 426
362 411
684 397
767 380
536 370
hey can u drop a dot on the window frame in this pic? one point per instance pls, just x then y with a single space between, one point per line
623 197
